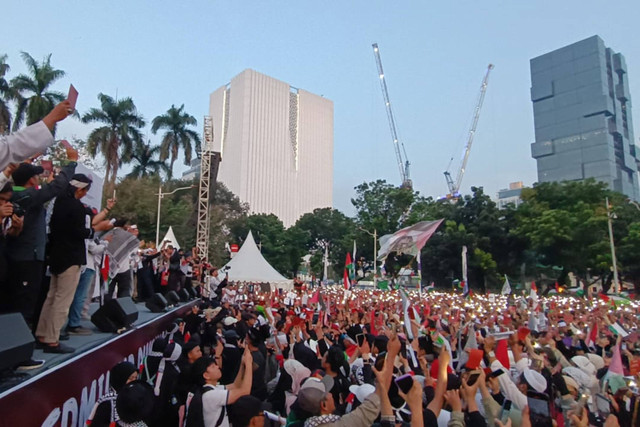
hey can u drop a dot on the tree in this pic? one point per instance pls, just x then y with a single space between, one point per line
382 206
33 97
5 91
115 139
177 136
145 163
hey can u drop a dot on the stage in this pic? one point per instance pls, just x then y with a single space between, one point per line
63 391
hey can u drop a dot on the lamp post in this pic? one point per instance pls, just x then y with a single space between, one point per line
375 254
160 197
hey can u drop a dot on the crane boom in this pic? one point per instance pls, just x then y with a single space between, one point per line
401 154
454 186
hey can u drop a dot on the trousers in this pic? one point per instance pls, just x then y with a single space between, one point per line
56 306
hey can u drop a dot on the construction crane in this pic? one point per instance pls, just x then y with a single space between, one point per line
401 154
454 186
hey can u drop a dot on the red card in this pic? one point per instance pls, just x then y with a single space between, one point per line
72 97
475 357
66 144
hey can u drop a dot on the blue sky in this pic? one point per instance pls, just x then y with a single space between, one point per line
434 54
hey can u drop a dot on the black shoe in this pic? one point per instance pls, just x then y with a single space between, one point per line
60 349
40 345
29 364
64 336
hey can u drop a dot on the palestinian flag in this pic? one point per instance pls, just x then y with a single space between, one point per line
383 284
466 292
348 272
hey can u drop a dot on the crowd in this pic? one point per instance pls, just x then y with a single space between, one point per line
247 355
370 357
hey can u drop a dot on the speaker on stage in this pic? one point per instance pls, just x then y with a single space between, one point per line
172 298
16 341
115 314
184 295
157 303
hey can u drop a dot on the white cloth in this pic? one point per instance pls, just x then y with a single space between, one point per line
24 143
212 404
508 387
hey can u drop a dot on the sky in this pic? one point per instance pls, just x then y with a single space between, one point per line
435 55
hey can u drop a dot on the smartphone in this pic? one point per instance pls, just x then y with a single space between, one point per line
72 97
472 378
504 411
539 409
322 347
360 338
453 382
404 383
495 374
604 405
379 365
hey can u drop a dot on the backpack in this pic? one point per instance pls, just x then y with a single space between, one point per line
195 416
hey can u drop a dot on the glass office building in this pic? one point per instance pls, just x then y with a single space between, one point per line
582 117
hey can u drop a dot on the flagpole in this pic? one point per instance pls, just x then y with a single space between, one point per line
464 264
616 283
420 273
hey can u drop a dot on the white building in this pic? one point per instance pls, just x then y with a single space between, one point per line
510 195
276 143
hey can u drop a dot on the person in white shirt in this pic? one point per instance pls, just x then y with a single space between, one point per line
33 139
213 398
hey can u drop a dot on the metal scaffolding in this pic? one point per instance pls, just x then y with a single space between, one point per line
209 164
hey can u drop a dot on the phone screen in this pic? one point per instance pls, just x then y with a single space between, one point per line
504 411
380 361
405 383
496 374
360 339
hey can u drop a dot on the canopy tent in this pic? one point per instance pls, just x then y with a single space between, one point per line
248 265
171 238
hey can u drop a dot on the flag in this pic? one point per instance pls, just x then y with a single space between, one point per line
408 240
431 287
465 289
502 353
314 298
592 335
383 284
506 288
405 310
534 295
615 367
348 271
618 329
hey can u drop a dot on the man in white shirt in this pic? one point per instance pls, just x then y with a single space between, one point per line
214 397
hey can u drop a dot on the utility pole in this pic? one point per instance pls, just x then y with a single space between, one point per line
616 283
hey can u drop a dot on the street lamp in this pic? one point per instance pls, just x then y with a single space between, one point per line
375 254
160 197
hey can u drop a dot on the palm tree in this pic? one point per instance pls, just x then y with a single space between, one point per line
5 96
33 98
116 138
144 155
177 135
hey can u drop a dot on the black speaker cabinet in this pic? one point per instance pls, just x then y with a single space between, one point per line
157 303
172 298
16 341
115 314
184 295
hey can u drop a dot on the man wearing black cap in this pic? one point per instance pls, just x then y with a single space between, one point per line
26 251
70 225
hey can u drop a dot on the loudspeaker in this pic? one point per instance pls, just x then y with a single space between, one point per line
115 314
157 303
184 295
16 341
192 293
172 298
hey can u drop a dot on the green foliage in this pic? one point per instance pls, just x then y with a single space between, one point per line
31 92
177 136
115 139
144 159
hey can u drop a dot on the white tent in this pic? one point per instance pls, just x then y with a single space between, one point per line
248 265
171 238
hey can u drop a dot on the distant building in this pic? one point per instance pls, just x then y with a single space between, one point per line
276 143
582 116
193 171
510 195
